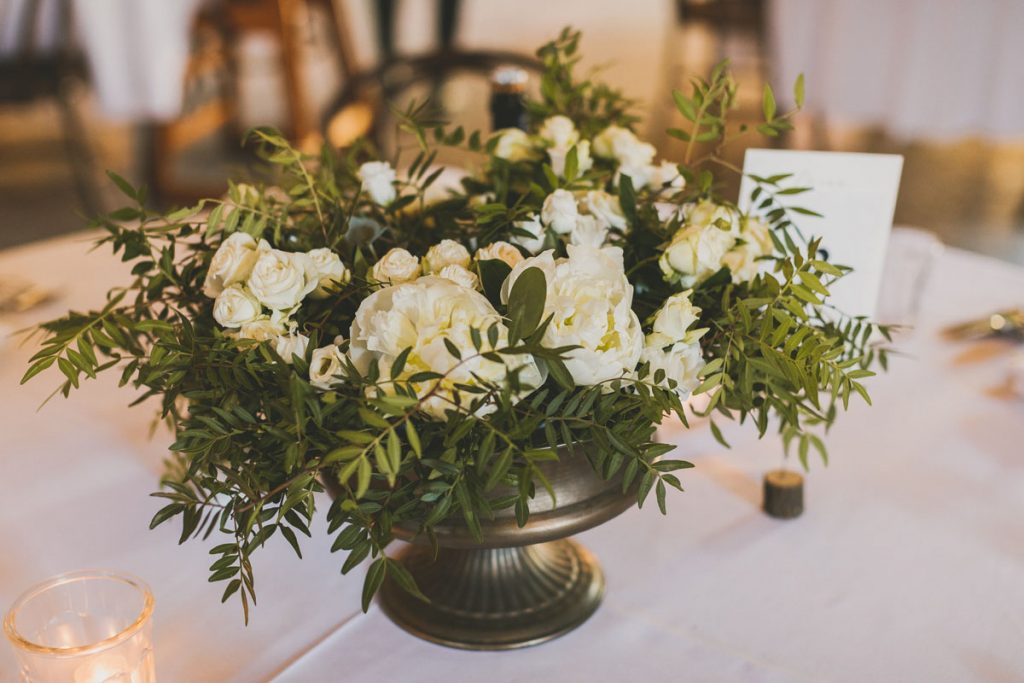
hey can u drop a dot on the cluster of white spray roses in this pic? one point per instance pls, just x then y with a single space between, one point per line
256 289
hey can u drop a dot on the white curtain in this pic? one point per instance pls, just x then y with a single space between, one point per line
920 68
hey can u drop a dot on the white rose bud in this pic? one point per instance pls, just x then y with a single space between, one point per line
558 155
606 208
676 316
621 144
281 279
459 275
445 253
695 254
665 177
513 145
589 232
706 212
325 366
560 211
742 259
232 262
559 131
331 272
398 265
263 328
681 362
288 345
502 251
378 181
533 243
235 306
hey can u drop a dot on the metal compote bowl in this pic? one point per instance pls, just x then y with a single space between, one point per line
519 586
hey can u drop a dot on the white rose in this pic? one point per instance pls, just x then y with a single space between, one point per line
707 212
422 315
589 232
606 208
330 271
513 145
665 177
325 366
264 328
676 316
235 306
755 241
590 301
535 241
460 275
558 155
560 211
621 144
288 345
378 181
639 174
695 254
559 131
232 262
681 362
281 279
445 253
502 251
397 266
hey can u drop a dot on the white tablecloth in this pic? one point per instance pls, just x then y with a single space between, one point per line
919 68
908 564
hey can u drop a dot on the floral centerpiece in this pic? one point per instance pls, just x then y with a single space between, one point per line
425 352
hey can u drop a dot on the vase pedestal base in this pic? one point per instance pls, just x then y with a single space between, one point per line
496 598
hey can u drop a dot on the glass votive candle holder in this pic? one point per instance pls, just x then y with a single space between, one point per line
84 627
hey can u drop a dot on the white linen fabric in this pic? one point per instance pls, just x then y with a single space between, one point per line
921 68
137 50
907 565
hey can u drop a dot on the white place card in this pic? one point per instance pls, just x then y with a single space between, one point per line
855 194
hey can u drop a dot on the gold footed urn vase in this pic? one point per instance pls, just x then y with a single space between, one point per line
519 586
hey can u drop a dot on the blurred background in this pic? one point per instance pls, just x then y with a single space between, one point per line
162 91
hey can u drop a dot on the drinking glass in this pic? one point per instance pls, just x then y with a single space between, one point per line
84 627
909 262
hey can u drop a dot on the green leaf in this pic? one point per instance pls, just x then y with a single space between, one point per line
768 103
798 91
526 303
374 578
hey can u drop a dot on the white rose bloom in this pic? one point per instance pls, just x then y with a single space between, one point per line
235 306
621 144
331 272
282 279
293 344
589 232
378 181
460 275
742 260
503 251
681 362
535 242
421 315
325 366
445 253
639 174
557 156
590 300
665 177
560 211
513 145
231 263
397 266
676 316
606 208
695 254
264 328
706 212
559 131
